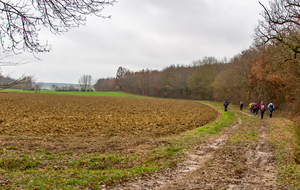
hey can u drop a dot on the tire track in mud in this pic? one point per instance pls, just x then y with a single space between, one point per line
235 166
196 159
260 163
219 164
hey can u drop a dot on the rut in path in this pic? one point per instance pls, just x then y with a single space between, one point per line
235 167
220 164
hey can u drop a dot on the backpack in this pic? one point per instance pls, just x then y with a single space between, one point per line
262 108
226 104
255 106
271 107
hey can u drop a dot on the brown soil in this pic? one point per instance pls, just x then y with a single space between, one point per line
62 115
220 164
61 123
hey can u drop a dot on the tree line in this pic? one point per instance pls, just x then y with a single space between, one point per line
269 70
258 73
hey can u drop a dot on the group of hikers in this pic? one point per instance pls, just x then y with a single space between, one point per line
255 107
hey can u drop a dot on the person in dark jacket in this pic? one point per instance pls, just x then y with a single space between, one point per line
226 105
241 106
255 108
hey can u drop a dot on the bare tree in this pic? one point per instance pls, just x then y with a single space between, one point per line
22 20
281 25
53 86
122 73
85 82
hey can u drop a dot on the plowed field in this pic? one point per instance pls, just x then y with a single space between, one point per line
86 116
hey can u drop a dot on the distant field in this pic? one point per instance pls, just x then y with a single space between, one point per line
112 94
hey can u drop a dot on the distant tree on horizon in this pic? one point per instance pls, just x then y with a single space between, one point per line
85 82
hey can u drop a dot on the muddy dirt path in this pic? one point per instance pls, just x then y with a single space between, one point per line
260 172
220 164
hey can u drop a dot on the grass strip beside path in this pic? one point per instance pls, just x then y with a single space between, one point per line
227 118
284 136
200 134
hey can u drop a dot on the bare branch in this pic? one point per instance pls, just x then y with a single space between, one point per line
10 63
23 79
21 22
281 24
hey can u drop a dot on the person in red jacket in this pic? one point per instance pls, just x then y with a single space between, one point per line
262 109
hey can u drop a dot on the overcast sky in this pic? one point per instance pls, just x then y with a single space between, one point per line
144 34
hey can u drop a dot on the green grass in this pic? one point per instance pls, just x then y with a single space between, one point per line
227 119
247 132
11 148
244 136
111 94
38 150
87 170
18 164
286 142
